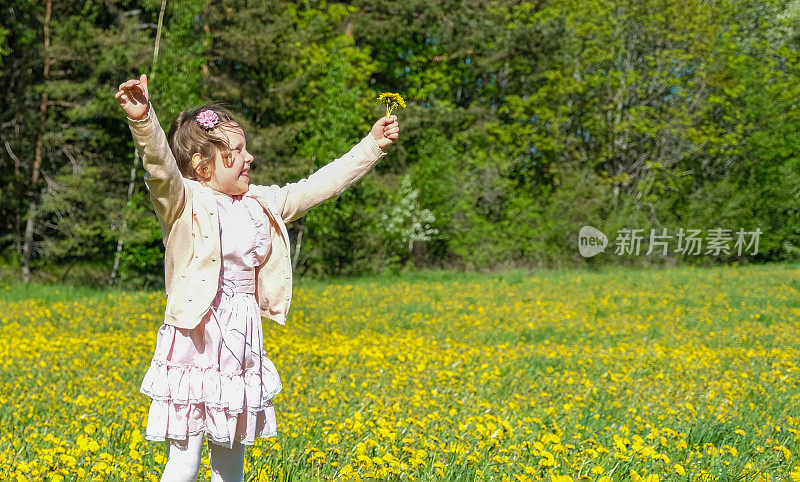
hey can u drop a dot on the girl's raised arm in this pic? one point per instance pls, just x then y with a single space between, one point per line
293 200
163 178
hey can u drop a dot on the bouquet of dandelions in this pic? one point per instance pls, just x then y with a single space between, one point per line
392 101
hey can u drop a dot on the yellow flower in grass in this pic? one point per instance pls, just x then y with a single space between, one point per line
780 448
547 459
392 101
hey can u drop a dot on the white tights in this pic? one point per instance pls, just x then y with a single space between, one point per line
183 460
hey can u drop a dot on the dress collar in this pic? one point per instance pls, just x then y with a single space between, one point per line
233 197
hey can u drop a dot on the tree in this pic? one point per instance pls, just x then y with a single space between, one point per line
406 222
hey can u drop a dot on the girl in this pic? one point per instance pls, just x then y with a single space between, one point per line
226 265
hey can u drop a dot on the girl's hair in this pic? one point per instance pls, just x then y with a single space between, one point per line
186 137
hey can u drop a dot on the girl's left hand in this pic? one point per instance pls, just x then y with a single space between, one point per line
386 131
134 98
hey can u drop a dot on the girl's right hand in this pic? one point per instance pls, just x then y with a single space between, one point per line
134 98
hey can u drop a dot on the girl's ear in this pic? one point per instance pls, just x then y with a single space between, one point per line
196 160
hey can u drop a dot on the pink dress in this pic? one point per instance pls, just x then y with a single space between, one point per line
215 378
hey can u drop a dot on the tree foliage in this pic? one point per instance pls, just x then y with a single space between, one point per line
525 121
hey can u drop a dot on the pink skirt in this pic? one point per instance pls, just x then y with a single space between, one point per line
215 378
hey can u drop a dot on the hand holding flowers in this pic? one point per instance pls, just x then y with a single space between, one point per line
386 130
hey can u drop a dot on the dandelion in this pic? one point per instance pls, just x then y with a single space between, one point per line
430 394
547 460
392 101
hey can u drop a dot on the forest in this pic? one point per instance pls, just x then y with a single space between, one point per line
525 122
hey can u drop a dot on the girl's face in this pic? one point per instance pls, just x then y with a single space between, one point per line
232 177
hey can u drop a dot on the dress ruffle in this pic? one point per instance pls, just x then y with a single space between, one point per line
234 391
179 421
190 399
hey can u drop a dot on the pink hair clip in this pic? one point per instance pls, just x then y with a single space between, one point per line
207 119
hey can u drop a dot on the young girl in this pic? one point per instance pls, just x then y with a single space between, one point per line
226 265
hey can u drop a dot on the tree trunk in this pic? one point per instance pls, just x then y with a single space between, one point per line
297 246
131 185
301 228
17 224
37 162
206 30
26 244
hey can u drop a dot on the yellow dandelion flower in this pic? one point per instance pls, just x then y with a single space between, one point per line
392 101
547 460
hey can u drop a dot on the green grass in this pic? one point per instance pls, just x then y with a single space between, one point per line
701 363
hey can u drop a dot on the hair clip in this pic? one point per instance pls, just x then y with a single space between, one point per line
207 119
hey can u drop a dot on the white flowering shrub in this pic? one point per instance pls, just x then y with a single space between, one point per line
406 222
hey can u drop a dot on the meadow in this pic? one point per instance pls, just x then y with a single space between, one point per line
622 374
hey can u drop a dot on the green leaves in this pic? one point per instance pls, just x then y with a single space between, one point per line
525 120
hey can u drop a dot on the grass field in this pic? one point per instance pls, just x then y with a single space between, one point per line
672 374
